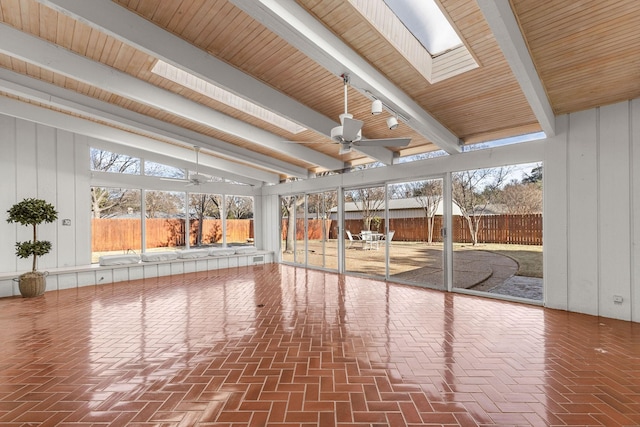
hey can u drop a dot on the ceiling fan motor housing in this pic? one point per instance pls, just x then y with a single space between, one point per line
336 133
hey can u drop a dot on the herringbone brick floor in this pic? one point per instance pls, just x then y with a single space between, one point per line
282 346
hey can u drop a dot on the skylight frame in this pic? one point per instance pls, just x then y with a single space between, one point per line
195 83
427 23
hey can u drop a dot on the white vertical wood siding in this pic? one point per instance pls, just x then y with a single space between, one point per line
51 164
592 180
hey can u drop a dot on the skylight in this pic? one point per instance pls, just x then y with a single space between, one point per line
199 85
427 23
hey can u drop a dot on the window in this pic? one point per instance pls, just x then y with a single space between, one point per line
116 221
106 161
205 226
425 20
164 171
164 219
239 224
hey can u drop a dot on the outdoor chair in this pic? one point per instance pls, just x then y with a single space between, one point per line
389 235
353 238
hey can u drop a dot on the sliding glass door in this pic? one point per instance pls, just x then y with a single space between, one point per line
309 229
365 231
497 231
414 238
321 241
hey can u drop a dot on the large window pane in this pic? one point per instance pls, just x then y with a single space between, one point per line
165 219
364 229
239 224
288 207
116 221
414 238
497 230
205 227
322 246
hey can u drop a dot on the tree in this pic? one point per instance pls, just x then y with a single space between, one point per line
239 207
32 212
106 161
473 190
289 205
369 201
428 194
203 205
521 198
114 201
165 202
535 176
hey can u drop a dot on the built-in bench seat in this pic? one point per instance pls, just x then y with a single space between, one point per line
245 250
119 259
158 256
146 266
221 251
193 253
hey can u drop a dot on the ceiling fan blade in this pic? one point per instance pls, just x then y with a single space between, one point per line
384 142
174 179
351 127
306 142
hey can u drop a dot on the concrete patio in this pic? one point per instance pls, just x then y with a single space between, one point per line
422 264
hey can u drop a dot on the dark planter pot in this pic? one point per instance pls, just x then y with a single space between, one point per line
32 284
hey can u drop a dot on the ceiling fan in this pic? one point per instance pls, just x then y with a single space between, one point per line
349 133
195 178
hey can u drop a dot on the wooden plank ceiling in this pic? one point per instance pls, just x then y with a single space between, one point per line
585 53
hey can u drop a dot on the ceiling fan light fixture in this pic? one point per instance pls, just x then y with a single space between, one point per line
392 123
376 107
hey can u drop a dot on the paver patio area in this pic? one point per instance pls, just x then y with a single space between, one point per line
420 263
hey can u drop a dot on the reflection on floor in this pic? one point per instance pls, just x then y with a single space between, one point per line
277 345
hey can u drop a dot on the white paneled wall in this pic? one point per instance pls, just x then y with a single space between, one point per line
43 162
270 223
634 192
592 212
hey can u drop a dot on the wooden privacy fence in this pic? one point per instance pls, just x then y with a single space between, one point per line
125 233
508 229
314 230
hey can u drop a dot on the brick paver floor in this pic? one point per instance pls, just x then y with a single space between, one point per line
276 345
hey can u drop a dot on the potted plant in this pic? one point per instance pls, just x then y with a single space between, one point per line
32 212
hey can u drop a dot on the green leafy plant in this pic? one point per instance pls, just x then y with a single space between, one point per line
32 212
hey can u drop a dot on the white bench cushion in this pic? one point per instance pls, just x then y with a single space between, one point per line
246 250
159 256
121 259
193 253
221 251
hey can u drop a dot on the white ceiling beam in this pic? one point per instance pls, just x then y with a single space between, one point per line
53 58
291 22
48 117
507 33
129 28
67 100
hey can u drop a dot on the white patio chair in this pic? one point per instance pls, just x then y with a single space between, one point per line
353 238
